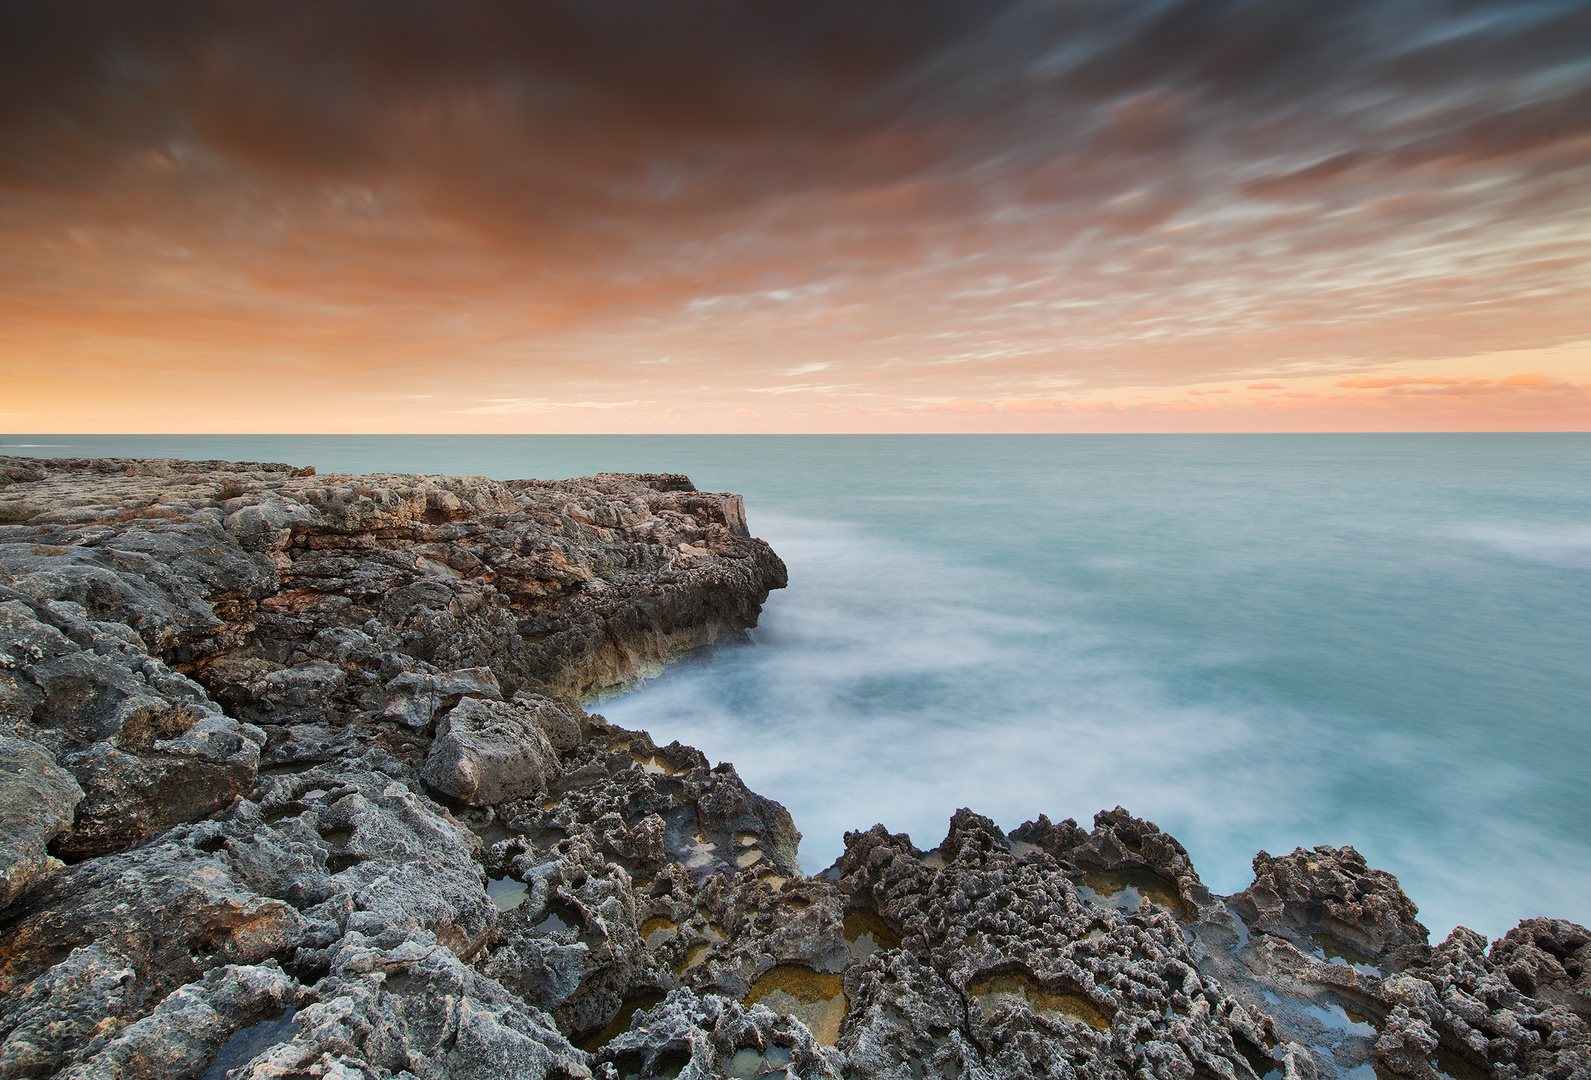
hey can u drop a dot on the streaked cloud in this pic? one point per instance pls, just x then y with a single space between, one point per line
622 216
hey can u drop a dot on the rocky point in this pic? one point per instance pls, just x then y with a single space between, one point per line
295 781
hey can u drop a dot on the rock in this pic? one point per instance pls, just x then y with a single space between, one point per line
186 1031
575 585
113 936
354 847
1460 1003
411 1008
559 723
36 803
415 698
1332 891
490 752
131 796
1549 959
71 1008
146 746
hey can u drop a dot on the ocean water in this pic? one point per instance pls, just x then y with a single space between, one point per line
1256 641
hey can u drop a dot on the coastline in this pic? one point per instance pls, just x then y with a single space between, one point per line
329 715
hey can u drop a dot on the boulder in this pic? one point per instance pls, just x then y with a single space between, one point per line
489 752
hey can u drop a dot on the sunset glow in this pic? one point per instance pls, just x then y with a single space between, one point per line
796 216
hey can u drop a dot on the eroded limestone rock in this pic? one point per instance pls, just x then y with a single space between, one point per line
489 752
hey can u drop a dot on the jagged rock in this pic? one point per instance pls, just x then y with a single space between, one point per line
1332 891
36 803
1055 986
1548 959
356 848
231 570
70 1008
490 752
1461 1005
703 1035
146 746
1119 843
409 1008
415 698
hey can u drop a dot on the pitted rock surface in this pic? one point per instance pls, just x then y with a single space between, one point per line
296 782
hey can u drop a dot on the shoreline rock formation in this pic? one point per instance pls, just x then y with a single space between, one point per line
295 781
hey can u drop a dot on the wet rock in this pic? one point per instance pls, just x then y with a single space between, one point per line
37 799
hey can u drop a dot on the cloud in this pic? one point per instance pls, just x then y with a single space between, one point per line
525 405
1365 382
993 201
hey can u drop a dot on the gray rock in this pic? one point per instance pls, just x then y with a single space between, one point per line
1332 891
559 723
69 1009
182 1036
36 803
412 1009
153 612
415 698
490 752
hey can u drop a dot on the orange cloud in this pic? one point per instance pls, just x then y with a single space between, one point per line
527 217
1364 382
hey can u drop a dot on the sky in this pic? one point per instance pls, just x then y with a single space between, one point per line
795 216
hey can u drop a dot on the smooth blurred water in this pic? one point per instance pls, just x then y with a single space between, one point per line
1257 641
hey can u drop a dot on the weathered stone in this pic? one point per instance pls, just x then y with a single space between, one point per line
415 698
36 803
411 1008
490 752
1332 891
183 1034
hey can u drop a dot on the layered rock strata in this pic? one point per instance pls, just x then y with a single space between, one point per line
295 781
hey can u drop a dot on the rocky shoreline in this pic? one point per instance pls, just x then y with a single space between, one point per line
295 781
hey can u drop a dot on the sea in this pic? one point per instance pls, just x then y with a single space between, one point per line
1255 641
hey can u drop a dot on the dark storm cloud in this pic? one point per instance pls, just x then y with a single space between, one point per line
547 108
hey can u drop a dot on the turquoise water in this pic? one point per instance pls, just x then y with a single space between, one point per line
1257 641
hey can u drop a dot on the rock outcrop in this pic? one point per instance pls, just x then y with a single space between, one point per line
296 781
